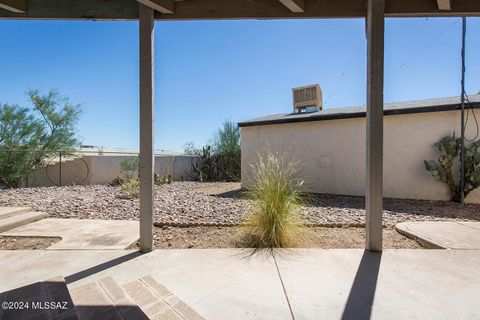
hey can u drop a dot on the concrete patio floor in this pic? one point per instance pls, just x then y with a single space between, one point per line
443 234
310 283
82 234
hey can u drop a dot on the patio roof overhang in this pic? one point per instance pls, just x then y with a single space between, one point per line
146 11
229 9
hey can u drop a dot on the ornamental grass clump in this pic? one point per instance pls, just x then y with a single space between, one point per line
276 195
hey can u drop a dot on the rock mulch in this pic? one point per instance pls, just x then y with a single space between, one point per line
210 203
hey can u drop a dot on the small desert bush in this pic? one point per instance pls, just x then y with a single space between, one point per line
130 167
161 181
276 195
117 181
131 189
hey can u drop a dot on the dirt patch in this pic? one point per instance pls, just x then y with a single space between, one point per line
339 238
27 243
315 237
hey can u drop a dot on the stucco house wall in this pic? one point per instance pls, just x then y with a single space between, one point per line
331 153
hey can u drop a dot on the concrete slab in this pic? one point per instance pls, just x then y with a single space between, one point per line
212 281
76 264
20 219
398 284
6 212
218 284
82 234
232 284
443 234
471 224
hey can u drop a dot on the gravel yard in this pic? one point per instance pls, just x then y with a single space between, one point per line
185 202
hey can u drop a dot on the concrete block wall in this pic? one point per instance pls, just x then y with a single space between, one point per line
102 169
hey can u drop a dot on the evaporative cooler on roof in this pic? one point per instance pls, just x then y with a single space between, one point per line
307 98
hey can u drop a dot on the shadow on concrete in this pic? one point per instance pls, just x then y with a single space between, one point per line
248 253
362 293
40 300
110 312
265 254
101 267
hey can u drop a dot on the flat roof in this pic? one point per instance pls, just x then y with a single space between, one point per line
396 108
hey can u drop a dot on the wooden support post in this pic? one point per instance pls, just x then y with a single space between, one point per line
374 172
146 18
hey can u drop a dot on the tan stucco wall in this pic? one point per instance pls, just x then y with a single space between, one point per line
332 153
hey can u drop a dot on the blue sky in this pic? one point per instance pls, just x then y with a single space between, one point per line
208 71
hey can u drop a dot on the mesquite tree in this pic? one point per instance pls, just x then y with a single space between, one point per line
226 145
29 136
449 148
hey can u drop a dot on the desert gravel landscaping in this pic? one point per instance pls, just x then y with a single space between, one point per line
195 202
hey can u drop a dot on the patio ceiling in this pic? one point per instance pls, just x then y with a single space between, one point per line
229 9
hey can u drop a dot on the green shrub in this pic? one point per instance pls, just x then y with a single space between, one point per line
449 148
164 180
131 189
189 149
226 146
49 125
276 195
220 160
472 167
129 167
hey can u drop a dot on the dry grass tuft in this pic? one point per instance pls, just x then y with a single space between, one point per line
276 194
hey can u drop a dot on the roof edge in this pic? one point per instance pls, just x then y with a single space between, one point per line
362 114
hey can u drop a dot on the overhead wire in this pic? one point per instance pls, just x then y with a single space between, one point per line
420 51
417 53
345 70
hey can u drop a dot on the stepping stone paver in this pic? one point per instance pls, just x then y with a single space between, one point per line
104 299
158 302
122 302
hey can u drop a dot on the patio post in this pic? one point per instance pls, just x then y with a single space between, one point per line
374 159
146 19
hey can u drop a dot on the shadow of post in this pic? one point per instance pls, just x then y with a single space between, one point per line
362 293
101 267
